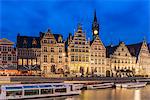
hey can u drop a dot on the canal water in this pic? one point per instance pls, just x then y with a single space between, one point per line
110 94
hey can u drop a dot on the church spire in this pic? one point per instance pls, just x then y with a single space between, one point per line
95 18
95 26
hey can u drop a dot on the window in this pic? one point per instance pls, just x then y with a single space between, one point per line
46 91
72 50
45 58
52 59
60 59
60 90
52 49
9 57
4 48
83 58
14 93
9 48
76 58
87 59
24 61
60 49
79 50
45 41
31 92
45 49
72 58
80 58
19 61
95 61
4 57
76 50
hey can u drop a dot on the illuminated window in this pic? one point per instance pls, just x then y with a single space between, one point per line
19 61
76 58
24 61
29 61
34 61
72 58
52 59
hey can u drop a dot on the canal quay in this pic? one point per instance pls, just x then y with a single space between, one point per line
111 93
82 80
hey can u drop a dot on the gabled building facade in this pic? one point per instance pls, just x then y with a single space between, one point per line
8 54
97 51
122 63
79 53
52 53
28 52
141 52
98 57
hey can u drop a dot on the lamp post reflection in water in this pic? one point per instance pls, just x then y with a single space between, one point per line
137 94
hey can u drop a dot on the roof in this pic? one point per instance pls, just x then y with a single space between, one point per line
134 49
110 50
29 42
57 36
6 41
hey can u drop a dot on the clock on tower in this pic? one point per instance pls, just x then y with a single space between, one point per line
95 26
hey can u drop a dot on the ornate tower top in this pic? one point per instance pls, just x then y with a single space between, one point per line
95 18
95 26
79 27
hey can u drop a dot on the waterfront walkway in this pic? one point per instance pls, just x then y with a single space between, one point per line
38 79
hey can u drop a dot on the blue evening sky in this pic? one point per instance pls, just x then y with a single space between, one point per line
125 20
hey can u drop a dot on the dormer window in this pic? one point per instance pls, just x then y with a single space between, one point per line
60 39
34 42
25 43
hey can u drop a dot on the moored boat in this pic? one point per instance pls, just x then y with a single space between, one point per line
132 85
100 86
25 91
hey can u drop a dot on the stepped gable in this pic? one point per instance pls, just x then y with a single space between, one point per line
110 50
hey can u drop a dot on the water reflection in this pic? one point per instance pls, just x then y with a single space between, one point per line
137 94
109 94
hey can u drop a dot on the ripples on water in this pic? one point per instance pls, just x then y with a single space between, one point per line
110 94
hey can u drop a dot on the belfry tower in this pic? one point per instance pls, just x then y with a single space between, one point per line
95 26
